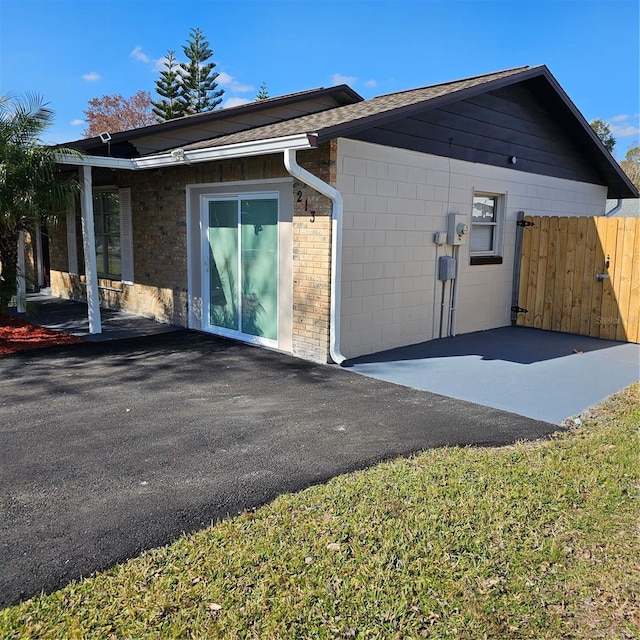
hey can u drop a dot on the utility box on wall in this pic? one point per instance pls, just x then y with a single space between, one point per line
446 268
457 228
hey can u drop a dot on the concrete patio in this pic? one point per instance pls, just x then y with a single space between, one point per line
540 374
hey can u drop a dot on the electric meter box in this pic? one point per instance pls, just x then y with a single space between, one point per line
446 268
457 228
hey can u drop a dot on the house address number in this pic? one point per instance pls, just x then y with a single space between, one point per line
306 205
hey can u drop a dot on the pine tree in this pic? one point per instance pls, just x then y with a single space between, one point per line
603 131
199 88
263 93
169 88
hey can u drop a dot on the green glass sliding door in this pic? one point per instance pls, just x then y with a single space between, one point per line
243 265
223 264
259 267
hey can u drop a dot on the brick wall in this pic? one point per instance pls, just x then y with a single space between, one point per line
158 199
312 258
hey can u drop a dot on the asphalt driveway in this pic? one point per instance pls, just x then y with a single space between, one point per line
111 448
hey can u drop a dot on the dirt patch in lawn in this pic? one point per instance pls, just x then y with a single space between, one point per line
17 334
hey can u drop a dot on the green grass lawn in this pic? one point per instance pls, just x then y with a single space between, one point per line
537 540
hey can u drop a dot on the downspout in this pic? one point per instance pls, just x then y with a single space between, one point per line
615 209
336 245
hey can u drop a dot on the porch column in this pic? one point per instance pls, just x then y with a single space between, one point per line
21 297
39 260
89 246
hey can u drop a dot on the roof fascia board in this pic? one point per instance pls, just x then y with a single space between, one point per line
180 157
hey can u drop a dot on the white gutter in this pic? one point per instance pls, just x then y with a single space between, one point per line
178 157
95 161
336 246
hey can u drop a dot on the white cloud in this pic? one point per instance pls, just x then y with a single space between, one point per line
91 77
234 102
371 84
231 84
627 130
77 123
338 78
157 65
138 54
160 64
624 125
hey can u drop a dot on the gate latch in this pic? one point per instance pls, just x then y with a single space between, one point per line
602 276
517 309
525 223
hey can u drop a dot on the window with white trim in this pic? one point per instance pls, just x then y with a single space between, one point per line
113 235
486 218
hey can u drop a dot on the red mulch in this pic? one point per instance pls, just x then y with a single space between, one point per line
19 335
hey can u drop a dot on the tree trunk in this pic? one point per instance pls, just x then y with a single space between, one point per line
8 266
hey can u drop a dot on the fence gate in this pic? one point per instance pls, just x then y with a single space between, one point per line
580 275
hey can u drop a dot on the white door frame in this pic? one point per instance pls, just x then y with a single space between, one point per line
195 245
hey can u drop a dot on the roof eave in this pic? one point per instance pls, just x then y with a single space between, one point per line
598 145
217 114
179 156
540 71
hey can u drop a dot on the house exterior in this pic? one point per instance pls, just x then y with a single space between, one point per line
328 226
623 208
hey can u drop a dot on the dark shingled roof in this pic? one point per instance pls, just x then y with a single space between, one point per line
328 124
342 94
353 117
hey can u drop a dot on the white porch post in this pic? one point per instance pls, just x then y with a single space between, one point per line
89 246
21 297
39 260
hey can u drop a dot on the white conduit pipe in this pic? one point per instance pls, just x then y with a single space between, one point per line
336 246
454 295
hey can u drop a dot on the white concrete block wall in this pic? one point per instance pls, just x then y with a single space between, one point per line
394 202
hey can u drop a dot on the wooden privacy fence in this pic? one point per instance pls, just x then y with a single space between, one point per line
580 275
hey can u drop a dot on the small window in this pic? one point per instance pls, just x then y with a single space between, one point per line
485 227
106 215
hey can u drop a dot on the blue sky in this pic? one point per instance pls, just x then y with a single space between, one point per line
70 51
